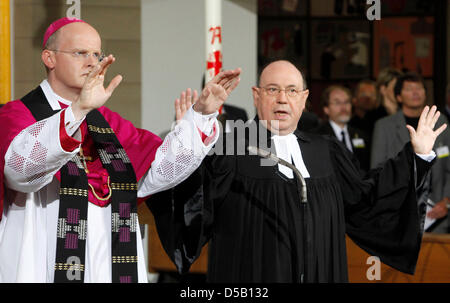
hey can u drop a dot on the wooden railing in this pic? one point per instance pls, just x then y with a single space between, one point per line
433 265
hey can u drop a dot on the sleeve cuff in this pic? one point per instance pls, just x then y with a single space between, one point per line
71 124
427 157
205 123
208 139
68 143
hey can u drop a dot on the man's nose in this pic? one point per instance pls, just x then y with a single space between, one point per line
91 60
282 97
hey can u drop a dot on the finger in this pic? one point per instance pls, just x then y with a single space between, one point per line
430 115
225 74
188 95
219 77
177 104
183 102
195 96
113 84
227 79
423 116
189 99
230 81
233 85
223 81
234 75
93 73
177 109
434 119
104 66
96 71
440 129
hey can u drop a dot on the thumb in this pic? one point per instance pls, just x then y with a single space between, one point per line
412 131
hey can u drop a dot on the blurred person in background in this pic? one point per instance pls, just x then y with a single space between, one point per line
391 134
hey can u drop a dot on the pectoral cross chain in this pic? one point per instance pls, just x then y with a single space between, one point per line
83 159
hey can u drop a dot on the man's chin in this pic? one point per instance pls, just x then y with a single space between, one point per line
344 120
281 128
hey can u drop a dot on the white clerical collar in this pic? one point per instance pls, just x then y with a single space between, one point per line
288 149
52 97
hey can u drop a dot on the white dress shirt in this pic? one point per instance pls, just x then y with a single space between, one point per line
338 132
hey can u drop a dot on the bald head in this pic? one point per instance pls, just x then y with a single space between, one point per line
278 68
72 31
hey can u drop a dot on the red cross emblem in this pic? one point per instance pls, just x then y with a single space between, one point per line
216 64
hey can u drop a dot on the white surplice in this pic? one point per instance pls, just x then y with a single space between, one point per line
28 228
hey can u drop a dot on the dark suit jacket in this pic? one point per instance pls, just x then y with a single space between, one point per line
445 112
361 153
308 121
235 113
389 137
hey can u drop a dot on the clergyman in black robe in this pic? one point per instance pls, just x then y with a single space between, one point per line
259 230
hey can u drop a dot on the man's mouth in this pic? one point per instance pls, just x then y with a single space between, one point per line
281 114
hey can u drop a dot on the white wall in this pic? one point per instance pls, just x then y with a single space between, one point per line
173 54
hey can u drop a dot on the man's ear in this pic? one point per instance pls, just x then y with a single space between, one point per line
306 94
255 93
325 110
48 58
399 98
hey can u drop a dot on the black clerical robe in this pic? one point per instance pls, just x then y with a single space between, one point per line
259 231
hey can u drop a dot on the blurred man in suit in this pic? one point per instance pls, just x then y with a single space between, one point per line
336 102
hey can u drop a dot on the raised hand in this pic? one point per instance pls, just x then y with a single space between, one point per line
439 210
423 138
187 98
93 94
217 91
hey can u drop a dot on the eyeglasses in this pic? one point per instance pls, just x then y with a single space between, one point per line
292 92
338 103
82 54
